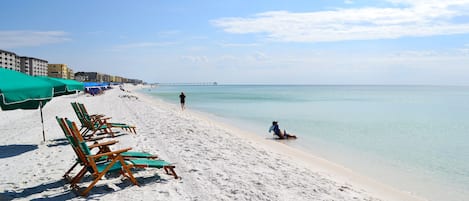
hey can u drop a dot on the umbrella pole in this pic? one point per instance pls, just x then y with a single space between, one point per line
42 122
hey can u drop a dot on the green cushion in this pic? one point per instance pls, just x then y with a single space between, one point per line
72 141
136 154
116 166
150 162
85 148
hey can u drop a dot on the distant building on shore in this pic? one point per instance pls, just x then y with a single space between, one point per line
100 77
116 79
60 71
39 67
33 66
70 74
134 81
9 60
28 65
88 77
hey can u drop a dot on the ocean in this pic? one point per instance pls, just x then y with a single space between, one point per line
414 138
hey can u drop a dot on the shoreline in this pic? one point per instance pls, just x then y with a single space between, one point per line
313 162
216 161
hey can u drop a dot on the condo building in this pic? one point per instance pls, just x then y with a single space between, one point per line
70 74
27 65
33 66
99 77
89 77
9 60
58 71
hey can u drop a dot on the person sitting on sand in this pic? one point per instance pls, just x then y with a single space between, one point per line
281 134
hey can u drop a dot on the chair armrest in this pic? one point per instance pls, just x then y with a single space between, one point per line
97 115
95 139
109 153
103 144
103 120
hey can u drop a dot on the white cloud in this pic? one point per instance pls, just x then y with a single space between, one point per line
406 18
15 39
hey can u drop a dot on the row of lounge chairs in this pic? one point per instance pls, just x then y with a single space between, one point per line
97 122
98 158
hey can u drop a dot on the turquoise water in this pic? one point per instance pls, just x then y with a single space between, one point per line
415 138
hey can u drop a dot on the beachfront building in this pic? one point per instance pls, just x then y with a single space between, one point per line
106 78
33 66
70 74
89 77
58 71
9 60
117 79
81 76
134 81
99 77
28 65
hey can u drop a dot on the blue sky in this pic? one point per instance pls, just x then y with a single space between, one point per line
264 42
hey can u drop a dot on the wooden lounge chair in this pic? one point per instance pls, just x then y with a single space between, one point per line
97 123
94 164
138 159
88 124
103 119
103 147
84 124
114 161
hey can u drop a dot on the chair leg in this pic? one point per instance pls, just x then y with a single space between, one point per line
97 178
128 172
78 177
125 171
171 168
66 176
110 132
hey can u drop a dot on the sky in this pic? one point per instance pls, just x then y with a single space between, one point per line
402 42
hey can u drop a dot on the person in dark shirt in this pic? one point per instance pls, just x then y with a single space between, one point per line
281 134
182 99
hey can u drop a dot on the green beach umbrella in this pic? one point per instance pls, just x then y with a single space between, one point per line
21 91
63 86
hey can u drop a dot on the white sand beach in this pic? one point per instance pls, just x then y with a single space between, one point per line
215 161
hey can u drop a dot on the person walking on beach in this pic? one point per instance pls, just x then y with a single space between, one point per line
281 134
182 99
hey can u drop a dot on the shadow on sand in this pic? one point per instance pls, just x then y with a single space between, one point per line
26 192
58 142
64 192
15 149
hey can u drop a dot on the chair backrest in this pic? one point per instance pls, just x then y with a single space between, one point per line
78 112
71 139
82 148
84 112
85 151
75 133
84 118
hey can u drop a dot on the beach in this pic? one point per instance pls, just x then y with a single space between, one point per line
215 161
